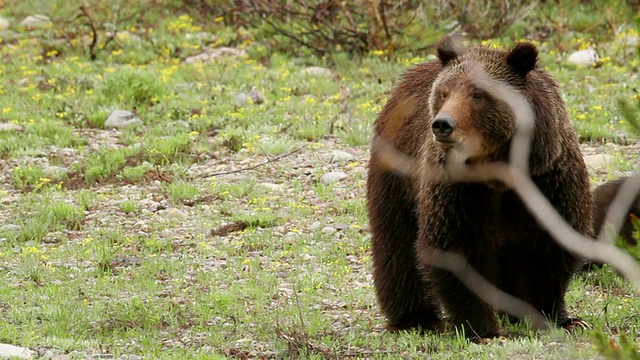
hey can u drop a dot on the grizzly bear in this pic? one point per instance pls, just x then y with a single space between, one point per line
603 196
438 110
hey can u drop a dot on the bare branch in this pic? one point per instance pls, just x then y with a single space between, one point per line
268 161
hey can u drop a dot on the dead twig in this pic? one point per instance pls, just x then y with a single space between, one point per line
94 49
252 167
84 8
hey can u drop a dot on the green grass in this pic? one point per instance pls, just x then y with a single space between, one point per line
94 261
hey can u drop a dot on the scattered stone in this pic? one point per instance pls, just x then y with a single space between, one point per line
340 156
47 355
10 127
241 99
254 96
332 177
120 119
328 230
9 228
213 54
271 186
599 161
175 214
4 23
316 71
315 225
101 356
61 357
10 351
34 21
129 357
585 57
75 354
8 199
341 226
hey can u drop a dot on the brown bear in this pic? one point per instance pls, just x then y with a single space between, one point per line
603 196
436 110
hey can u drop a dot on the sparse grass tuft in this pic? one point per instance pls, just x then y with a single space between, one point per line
179 190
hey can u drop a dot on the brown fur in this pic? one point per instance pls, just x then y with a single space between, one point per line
487 224
603 196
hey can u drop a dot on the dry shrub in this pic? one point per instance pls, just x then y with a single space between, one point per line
485 19
354 26
361 26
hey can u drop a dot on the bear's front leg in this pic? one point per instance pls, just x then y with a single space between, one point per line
400 290
464 310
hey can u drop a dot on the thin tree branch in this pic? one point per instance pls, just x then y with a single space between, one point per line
252 167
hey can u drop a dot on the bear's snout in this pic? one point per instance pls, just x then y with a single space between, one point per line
442 127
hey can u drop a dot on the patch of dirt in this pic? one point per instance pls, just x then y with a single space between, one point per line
229 228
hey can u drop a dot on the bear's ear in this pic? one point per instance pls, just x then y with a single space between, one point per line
522 58
448 49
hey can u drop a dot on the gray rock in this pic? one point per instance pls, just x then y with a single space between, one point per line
340 156
585 57
9 199
10 127
34 21
4 23
256 96
315 225
332 177
175 214
241 99
599 161
14 352
328 230
271 186
48 355
62 357
213 54
341 226
129 357
316 71
75 354
9 228
120 119
102 356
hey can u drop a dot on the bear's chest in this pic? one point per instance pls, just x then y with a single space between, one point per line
496 218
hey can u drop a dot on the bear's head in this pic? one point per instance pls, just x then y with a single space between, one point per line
470 121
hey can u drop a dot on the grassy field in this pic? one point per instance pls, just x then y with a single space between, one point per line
204 231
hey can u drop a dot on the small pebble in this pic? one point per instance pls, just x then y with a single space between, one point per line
340 156
120 119
584 57
332 177
175 214
328 230
316 71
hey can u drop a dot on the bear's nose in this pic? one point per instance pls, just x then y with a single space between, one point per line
443 126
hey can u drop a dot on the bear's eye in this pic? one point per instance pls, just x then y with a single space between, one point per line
477 95
444 94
